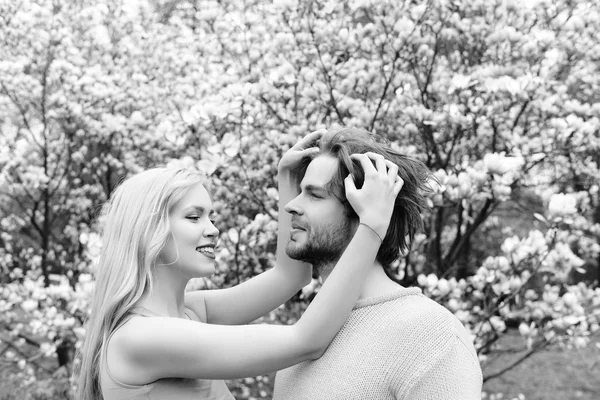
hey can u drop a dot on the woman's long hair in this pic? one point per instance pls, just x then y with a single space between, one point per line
135 229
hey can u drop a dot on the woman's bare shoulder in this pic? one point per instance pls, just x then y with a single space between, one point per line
147 348
124 349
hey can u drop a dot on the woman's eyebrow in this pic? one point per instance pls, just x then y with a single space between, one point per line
198 209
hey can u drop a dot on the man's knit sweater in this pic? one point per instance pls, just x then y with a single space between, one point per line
397 346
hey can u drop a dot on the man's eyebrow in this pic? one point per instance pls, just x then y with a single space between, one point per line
315 188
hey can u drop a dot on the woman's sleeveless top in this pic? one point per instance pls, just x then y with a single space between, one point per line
171 388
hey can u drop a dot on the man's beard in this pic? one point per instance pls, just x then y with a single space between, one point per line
323 244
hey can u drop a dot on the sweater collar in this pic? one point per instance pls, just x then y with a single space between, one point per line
369 301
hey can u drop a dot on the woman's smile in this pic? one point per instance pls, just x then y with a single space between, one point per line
207 250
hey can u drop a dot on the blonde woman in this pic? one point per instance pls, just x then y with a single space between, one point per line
147 338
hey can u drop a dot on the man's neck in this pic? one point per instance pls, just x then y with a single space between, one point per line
376 284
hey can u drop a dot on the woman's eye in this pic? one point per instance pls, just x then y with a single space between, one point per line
316 196
193 218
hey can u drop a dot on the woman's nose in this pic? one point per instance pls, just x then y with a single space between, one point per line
211 230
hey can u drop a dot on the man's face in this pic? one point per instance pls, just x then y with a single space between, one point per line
321 228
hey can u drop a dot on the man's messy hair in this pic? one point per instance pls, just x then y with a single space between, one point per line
411 201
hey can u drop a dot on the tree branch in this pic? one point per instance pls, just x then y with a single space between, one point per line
459 243
332 100
531 352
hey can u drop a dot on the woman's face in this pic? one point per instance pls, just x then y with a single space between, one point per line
194 237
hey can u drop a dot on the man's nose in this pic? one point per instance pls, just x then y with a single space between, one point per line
293 207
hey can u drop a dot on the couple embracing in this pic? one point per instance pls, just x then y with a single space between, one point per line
349 205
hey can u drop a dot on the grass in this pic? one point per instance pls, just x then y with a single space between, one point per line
552 374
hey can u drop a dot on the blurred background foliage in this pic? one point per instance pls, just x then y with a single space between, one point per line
500 98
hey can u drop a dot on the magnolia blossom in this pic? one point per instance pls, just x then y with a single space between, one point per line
272 193
284 4
498 163
512 248
250 77
561 260
430 281
443 286
209 161
312 287
504 83
404 26
525 329
29 305
501 191
183 162
562 204
459 82
464 185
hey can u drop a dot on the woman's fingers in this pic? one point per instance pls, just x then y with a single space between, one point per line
379 162
374 201
365 162
309 140
382 166
305 147
349 184
398 184
308 151
392 170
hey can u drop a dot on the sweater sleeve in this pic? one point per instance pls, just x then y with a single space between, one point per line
455 376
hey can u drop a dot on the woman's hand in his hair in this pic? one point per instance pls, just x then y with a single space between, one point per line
307 146
374 201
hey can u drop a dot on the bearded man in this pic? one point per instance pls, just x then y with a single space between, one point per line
397 343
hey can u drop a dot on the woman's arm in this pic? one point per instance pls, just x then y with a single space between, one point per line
146 349
243 303
154 348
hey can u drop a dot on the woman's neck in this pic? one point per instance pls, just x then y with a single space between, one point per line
167 295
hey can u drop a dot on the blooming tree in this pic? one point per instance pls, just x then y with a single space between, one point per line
498 98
